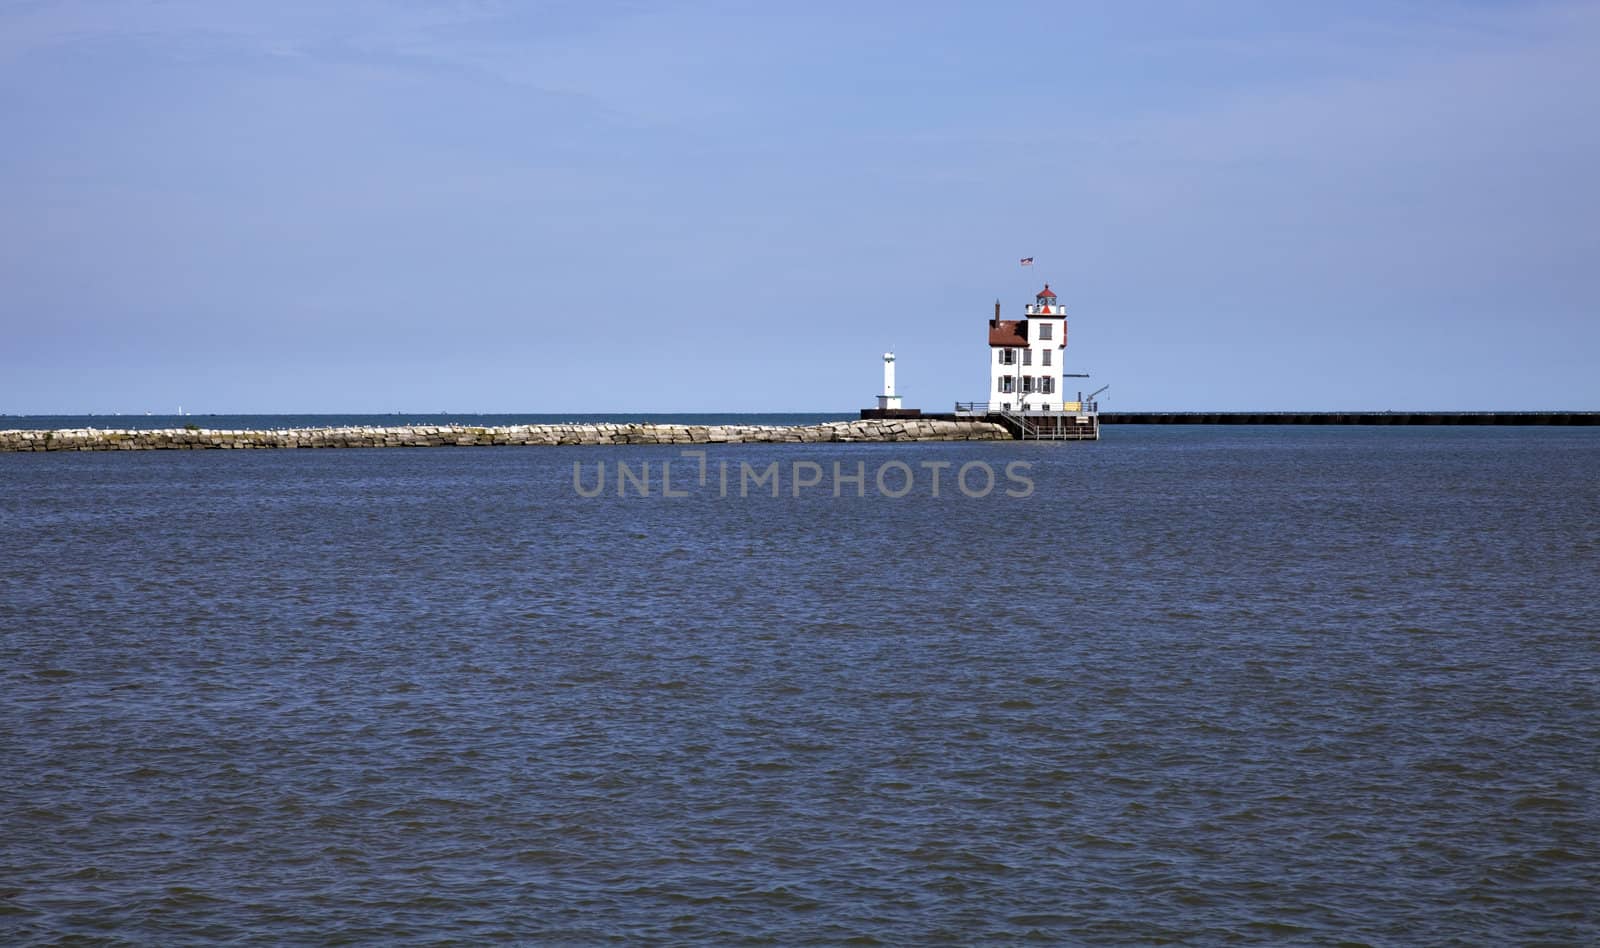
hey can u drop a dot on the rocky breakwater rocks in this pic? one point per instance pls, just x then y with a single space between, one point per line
432 436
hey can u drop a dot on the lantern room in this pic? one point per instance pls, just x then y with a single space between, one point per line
1044 304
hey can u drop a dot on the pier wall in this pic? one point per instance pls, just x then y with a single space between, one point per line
1520 418
432 436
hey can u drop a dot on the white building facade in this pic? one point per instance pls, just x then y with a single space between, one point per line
1025 356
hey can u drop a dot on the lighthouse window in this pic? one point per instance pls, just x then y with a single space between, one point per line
1008 357
1027 384
1045 355
1027 357
1047 384
1045 329
1005 383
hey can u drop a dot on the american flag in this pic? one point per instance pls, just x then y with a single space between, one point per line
1027 261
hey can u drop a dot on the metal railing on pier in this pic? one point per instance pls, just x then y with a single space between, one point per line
985 408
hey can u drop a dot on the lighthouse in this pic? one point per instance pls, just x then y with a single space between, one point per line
1025 356
888 400
1026 374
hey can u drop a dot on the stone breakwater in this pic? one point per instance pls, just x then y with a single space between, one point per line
435 436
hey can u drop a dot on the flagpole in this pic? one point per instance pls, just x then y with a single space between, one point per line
1022 398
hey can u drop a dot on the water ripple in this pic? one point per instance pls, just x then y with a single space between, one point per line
1336 686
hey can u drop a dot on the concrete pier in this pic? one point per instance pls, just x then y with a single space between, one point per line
432 436
1350 418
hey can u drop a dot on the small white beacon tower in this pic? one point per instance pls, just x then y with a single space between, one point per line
888 400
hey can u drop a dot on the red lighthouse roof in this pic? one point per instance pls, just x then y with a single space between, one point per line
1045 293
1008 333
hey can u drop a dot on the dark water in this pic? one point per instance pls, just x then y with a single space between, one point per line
259 422
1205 684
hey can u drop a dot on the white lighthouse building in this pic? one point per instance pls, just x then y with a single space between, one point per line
1025 357
888 400
1027 391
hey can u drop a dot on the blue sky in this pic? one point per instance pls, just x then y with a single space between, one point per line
588 206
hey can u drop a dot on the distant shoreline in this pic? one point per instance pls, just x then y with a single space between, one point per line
288 421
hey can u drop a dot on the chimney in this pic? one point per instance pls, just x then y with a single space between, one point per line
996 310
